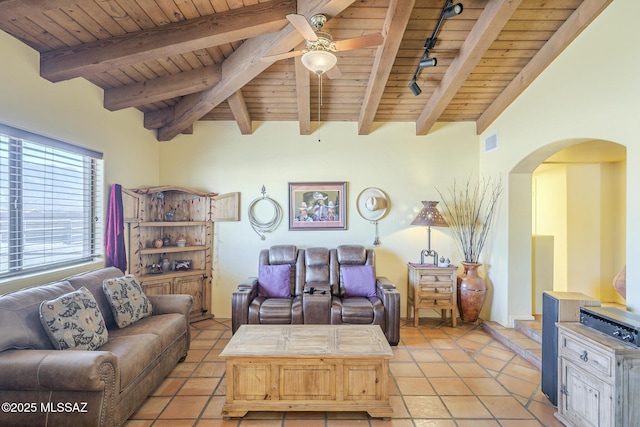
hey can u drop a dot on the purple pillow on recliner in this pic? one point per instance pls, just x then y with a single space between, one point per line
359 280
273 281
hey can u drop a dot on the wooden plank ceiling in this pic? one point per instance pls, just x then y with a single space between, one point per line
180 61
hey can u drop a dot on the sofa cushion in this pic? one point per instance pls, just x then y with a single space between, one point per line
135 354
92 280
20 326
167 327
73 321
127 300
359 280
276 311
357 311
273 281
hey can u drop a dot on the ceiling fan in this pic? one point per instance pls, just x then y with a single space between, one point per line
318 54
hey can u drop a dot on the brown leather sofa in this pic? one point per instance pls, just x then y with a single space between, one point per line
317 292
41 386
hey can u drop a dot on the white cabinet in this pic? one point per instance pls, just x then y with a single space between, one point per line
598 379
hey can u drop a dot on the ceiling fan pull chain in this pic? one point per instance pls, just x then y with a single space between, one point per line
319 102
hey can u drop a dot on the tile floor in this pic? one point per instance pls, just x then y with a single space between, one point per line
440 376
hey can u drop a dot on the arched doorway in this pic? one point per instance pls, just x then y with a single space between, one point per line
577 201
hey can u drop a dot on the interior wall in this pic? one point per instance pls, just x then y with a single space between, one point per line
72 111
408 168
572 101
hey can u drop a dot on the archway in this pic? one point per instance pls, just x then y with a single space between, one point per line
574 191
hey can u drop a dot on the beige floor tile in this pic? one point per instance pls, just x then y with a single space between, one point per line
138 423
214 408
443 343
478 423
391 423
402 355
489 362
303 423
260 423
468 370
455 356
210 369
517 386
423 355
169 386
199 386
182 405
450 386
404 369
399 408
174 423
183 369
545 414
486 387
466 407
426 407
505 407
196 355
434 423
435 370
520 423
151 408
414 386
217 423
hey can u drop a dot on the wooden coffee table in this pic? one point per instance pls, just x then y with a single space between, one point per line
307 368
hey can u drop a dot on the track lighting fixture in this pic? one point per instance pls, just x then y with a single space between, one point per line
449 10
428 62
452 10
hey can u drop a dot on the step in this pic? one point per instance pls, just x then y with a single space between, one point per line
520 343
530 328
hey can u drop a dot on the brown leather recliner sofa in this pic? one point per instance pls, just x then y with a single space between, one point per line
320 291
42 386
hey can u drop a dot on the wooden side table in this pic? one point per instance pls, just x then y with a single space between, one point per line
432 287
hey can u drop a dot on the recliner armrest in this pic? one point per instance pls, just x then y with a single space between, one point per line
240 300
390 298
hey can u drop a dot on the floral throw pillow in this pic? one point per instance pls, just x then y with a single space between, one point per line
127 300
73 321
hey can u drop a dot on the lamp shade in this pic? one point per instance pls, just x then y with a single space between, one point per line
430 215
319 61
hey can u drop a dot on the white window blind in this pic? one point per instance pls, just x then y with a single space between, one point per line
50 203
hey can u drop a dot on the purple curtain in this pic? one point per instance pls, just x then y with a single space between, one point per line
114 233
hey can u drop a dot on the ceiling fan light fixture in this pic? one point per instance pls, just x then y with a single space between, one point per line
452 10
428 62
319 61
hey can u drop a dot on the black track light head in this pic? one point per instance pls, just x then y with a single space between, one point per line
428 62
413 85
452 10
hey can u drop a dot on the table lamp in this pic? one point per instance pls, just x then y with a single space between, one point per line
429 216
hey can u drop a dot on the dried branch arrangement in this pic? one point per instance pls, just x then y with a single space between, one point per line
470 212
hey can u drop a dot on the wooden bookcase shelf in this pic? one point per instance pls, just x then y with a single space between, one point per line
195 211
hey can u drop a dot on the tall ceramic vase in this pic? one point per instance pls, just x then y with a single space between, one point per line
471 292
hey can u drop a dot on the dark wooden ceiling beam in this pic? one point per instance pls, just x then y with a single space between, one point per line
161 88
166 40
243 66
240 112
394 27
572 27
491 21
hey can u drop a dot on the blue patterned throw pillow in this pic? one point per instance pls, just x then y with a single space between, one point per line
73 321
127 300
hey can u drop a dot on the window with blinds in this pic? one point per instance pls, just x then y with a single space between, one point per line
50 203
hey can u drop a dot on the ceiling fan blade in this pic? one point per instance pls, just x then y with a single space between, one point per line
334 73
272 58
369 40
303 26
